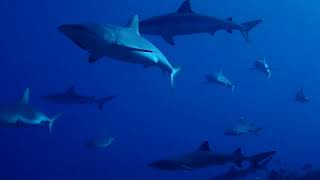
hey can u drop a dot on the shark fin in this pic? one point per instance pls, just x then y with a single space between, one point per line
102 101
71 90
134 23
204 146
169 39
185 7
53 119
248 26
230 19
238 157
25 97
94 57
173 75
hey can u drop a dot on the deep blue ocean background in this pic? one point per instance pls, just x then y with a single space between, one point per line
147 120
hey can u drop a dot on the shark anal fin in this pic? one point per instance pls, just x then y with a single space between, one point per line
169 39
185 7
94 57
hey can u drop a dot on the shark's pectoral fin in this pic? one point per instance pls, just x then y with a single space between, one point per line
169 39
186 167
95 57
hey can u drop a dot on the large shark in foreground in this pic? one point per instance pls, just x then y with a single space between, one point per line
203 157
72 97
185 21
20 114
120 43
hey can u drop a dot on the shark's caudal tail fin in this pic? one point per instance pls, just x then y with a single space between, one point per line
238 157
102 101
173 74
53 119
248 26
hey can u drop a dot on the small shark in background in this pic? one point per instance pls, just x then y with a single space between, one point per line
203 157
72 97
262 65
243 128
21 114
234 173
219 79
119 43
185 21
301 97
99 142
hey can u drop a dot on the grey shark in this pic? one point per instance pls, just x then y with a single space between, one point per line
119 43
301 97
262 65
185 21
21 114
243 128
220 79
234 173
203 157
72 97
99 142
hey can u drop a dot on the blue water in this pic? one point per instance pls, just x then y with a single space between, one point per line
147 121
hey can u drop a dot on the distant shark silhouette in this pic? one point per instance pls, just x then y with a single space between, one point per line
72 97
22 115
243 128
262 65
185 21
220 79
120 43
203 157
301 97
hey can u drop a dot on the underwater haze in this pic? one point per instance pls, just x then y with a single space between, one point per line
148 120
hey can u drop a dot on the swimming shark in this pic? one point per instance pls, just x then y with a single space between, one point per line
21 114
185 21
301 97
262 65
119 43
72 97
234 173
243 128
219 79
99 142
201 158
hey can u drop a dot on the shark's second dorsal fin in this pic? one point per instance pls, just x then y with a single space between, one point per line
71 90
204 146
134 23
25 97
185 7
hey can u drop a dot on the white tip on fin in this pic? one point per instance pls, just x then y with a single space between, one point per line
53 119
173 75
25 97
134 23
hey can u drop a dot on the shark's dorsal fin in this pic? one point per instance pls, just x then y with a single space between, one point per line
204 146
25 97
71 90
185 7
134 23
230 19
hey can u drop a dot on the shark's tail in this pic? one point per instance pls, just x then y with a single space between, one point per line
53 119
238 157
102 101
173 74
248 26
256 159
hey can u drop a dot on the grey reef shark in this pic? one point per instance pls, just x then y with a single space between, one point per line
119 43
72 97
21 114
185 22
